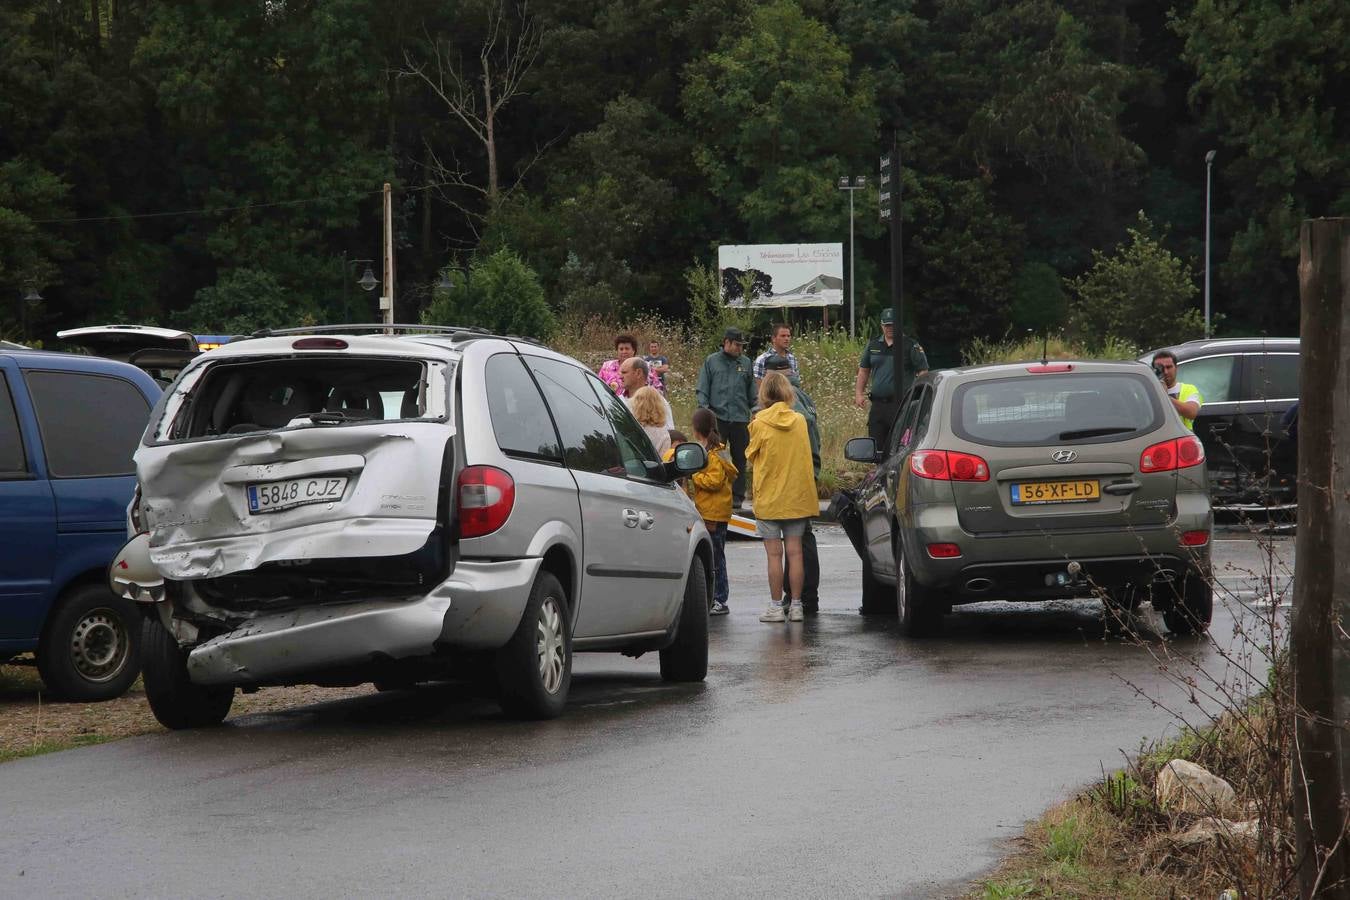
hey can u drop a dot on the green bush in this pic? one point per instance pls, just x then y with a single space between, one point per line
242 301
501 293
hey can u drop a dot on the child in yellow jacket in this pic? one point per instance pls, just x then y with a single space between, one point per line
711 489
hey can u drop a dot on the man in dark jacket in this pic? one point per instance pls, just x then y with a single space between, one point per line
726 385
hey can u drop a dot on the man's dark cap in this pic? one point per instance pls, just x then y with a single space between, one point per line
888 316
734 334
777 363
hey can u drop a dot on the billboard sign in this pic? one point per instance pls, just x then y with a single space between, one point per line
781 275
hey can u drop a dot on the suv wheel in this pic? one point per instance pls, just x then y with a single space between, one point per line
534 669
1191 612
686 659
90 649
920 609
176 702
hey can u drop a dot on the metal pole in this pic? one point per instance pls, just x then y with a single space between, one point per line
387 300
851 304
1209 168
897 259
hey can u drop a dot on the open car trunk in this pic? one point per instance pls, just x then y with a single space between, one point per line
295 478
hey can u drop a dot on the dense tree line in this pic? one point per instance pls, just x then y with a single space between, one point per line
214 163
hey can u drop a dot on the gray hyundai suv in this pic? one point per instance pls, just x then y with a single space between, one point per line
1033 481
337 508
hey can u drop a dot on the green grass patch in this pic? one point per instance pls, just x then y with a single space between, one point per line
42 747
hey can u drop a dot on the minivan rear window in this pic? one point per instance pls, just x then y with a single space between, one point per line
239 397
1032 410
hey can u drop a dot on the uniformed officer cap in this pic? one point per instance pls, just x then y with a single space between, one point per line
888 316
776 363
734 334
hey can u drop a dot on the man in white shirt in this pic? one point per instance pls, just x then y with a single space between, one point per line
633 374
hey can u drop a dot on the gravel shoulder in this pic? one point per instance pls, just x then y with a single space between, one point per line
30 723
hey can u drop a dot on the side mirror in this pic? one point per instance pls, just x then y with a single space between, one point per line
862 449
689 458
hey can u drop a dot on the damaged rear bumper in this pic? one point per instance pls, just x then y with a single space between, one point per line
479 606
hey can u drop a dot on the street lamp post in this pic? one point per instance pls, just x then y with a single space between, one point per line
30 298
367 281
1209 169
858 183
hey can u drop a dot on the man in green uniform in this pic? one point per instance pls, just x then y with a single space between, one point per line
726 385
878 362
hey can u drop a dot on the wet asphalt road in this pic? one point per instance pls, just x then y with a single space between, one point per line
831 758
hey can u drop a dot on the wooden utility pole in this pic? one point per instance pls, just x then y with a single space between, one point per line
387 298
1321 616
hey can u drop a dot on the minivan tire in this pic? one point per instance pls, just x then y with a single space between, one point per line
90 649
686 659
176 702
920 609
1191 612
534 669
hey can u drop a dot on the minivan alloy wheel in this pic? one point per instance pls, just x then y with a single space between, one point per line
99 645
549 641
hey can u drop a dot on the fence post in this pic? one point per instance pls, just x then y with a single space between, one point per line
1321 614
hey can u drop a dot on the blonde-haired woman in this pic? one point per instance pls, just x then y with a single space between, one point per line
649 408
784 489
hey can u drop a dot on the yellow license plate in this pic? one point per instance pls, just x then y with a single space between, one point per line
1055 491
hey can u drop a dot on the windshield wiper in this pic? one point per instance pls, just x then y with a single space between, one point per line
333 417
1091 432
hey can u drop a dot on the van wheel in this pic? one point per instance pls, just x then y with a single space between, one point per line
1191 612
534 669
878 598
176 702
920 609
686 659
90 649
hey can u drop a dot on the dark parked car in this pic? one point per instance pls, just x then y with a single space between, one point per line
68 427
1248 384
1033 481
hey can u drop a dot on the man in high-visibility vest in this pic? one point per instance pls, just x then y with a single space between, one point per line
1185 397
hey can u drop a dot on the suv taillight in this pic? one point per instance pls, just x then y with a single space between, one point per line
1181 453
486 496
948 465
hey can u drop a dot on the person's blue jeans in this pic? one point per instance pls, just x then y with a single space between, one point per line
718 532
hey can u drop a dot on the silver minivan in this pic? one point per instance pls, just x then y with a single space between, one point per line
1033 481
337 508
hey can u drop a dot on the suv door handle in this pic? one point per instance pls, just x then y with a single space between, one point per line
646 520
1122 487
630 518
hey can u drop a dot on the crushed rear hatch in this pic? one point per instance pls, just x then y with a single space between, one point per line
308 465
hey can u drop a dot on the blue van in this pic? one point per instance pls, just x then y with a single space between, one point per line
68 428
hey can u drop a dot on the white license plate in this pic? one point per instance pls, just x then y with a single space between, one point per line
274 496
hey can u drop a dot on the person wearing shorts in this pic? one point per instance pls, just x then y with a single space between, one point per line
784 491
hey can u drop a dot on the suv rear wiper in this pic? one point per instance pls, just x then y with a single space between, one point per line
1091 432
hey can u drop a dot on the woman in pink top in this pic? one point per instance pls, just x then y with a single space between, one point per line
625 345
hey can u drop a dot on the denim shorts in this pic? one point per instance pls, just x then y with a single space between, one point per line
778 529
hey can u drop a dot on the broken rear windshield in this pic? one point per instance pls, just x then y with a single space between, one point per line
263 395
1033 410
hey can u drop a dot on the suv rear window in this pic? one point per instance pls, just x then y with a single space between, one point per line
1033 410
263 395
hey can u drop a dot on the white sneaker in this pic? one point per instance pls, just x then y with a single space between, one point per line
772 613
719 609
795 612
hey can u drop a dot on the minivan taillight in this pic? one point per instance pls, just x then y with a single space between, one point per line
1181 453
948 465
486 496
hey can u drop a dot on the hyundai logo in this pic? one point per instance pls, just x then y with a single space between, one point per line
1064 455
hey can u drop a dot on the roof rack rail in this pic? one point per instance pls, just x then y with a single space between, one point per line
404 328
